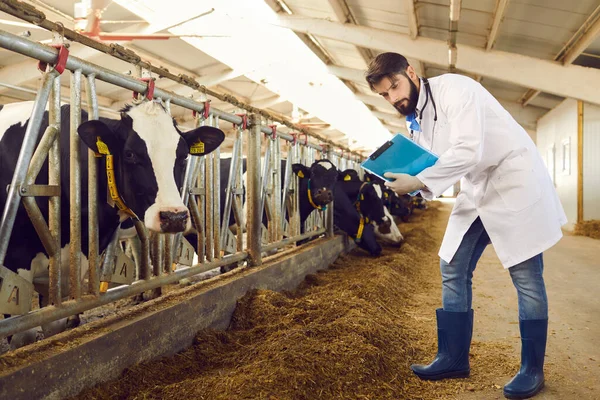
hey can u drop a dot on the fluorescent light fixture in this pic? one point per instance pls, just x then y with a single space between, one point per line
272 56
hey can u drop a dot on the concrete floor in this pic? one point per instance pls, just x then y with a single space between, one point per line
572 274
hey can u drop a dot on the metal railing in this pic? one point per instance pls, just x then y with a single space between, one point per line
269 188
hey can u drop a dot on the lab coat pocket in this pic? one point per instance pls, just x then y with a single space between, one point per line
516 183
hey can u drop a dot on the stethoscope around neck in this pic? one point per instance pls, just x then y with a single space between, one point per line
428 95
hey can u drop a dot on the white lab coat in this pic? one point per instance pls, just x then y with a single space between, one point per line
503 178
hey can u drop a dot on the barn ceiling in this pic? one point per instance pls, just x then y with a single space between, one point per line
530 54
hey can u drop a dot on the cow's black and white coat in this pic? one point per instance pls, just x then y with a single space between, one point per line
149 152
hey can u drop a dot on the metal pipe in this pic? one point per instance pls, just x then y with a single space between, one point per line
41 152
39 223
29 140
253 196
209 191
54 290
217 197
93 240
288 241
238 196
286 189
65 98
44 315
156 253
229 189
75 189
329 216
169 255
201 210
143 235
110 254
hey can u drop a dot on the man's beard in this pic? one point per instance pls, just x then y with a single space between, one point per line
413 99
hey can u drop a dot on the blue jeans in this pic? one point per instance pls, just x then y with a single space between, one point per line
527 277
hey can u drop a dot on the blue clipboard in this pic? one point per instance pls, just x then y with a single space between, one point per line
399 155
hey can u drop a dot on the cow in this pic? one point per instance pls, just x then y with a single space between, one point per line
346 217
398 206
368 197
149 154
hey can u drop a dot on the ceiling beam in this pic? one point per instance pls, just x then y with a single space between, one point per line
567 81
344 15
585 35
413 27
589 32
501 6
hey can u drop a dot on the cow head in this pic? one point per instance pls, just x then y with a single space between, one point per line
320 177
150 155
347 218
365 197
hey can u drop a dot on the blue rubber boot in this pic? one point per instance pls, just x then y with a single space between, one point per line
455 330
530 378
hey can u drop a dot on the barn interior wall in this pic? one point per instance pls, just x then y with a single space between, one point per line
557 142
591 161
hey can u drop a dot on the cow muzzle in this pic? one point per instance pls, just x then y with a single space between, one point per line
323 196
173 221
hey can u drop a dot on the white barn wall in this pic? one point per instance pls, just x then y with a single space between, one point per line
556 126
591 161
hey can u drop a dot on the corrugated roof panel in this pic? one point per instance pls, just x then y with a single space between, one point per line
383 16
399 28
579 6
461 37
546 100
397 7
487 6
527 46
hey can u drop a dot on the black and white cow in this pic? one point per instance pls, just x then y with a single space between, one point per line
149 153
398 206
345 215
369 197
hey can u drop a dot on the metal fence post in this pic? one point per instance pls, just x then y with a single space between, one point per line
29 140
253 191
93 245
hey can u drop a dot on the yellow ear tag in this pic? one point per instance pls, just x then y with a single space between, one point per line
368 179
386 195
347 177
102 147
362 197
300 174
367 220
197 148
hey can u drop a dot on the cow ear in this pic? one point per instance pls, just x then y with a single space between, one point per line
302 171
203 140
98 137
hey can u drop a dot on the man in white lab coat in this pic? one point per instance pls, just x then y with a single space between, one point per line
506 198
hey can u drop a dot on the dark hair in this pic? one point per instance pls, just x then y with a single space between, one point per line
385 65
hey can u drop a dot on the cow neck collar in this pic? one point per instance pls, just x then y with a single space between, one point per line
360 197
111 178
312 203
361 227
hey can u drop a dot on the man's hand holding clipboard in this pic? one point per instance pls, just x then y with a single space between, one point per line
404 183
398 161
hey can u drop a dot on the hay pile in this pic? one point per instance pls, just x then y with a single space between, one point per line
588 228
347 333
